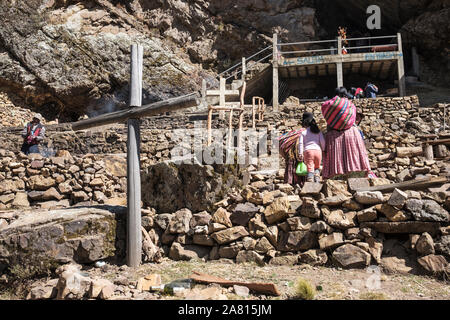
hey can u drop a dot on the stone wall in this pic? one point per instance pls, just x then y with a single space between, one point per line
330 223
61 181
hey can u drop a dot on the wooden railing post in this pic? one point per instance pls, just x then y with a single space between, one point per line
222 88
339 71
244 69
401 68
134 235
275 73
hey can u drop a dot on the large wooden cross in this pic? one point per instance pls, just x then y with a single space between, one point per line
132 116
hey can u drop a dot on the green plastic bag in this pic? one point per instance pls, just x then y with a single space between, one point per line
301 169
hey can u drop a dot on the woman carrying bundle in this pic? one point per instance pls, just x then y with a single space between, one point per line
310 146
345 152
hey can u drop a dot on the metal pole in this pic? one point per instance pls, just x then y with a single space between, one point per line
134 235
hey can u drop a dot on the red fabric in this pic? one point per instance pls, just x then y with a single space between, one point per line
340 113
31 138
313 158
345 152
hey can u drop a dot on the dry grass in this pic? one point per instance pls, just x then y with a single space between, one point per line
304 290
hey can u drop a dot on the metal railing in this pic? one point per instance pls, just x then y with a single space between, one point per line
299 49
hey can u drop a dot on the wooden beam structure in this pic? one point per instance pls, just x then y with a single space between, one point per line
275 88
139 112
408 185
134 234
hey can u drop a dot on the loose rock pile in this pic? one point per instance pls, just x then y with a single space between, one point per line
275 223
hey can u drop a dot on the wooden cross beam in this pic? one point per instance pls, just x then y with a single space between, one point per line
148 110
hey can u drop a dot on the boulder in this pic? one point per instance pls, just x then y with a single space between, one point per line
72 283
230 234
334 201
391 213
398 198
284 260
297 241
203 240
272 235
320 227
442 246
230 251
21 200
349 256
425 244
375 248
263 245
313 257
187 252
41 183
369 197
355 184
222 216
249 256
241 291
278 210
403 227
339 219
257 228
169 186
434 264
311 188
427 210
369 214
200 219
299 223
162 220
331 241
179 221
43 240
145 283
242 213
43 292
101 288
310 208
336 187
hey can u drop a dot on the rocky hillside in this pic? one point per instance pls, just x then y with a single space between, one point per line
65 56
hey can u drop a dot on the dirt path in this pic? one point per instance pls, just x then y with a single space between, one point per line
335 284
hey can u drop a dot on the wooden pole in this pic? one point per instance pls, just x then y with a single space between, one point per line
253 112
275 73
134 235
222 88
408 185
401 68
244 69
230 128
210 111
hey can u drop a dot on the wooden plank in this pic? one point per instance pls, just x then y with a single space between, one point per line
218 92
266 288
428 152
439 141
412 184
139 112
134 234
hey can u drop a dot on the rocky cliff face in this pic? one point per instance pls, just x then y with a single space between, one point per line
65 57
71 57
